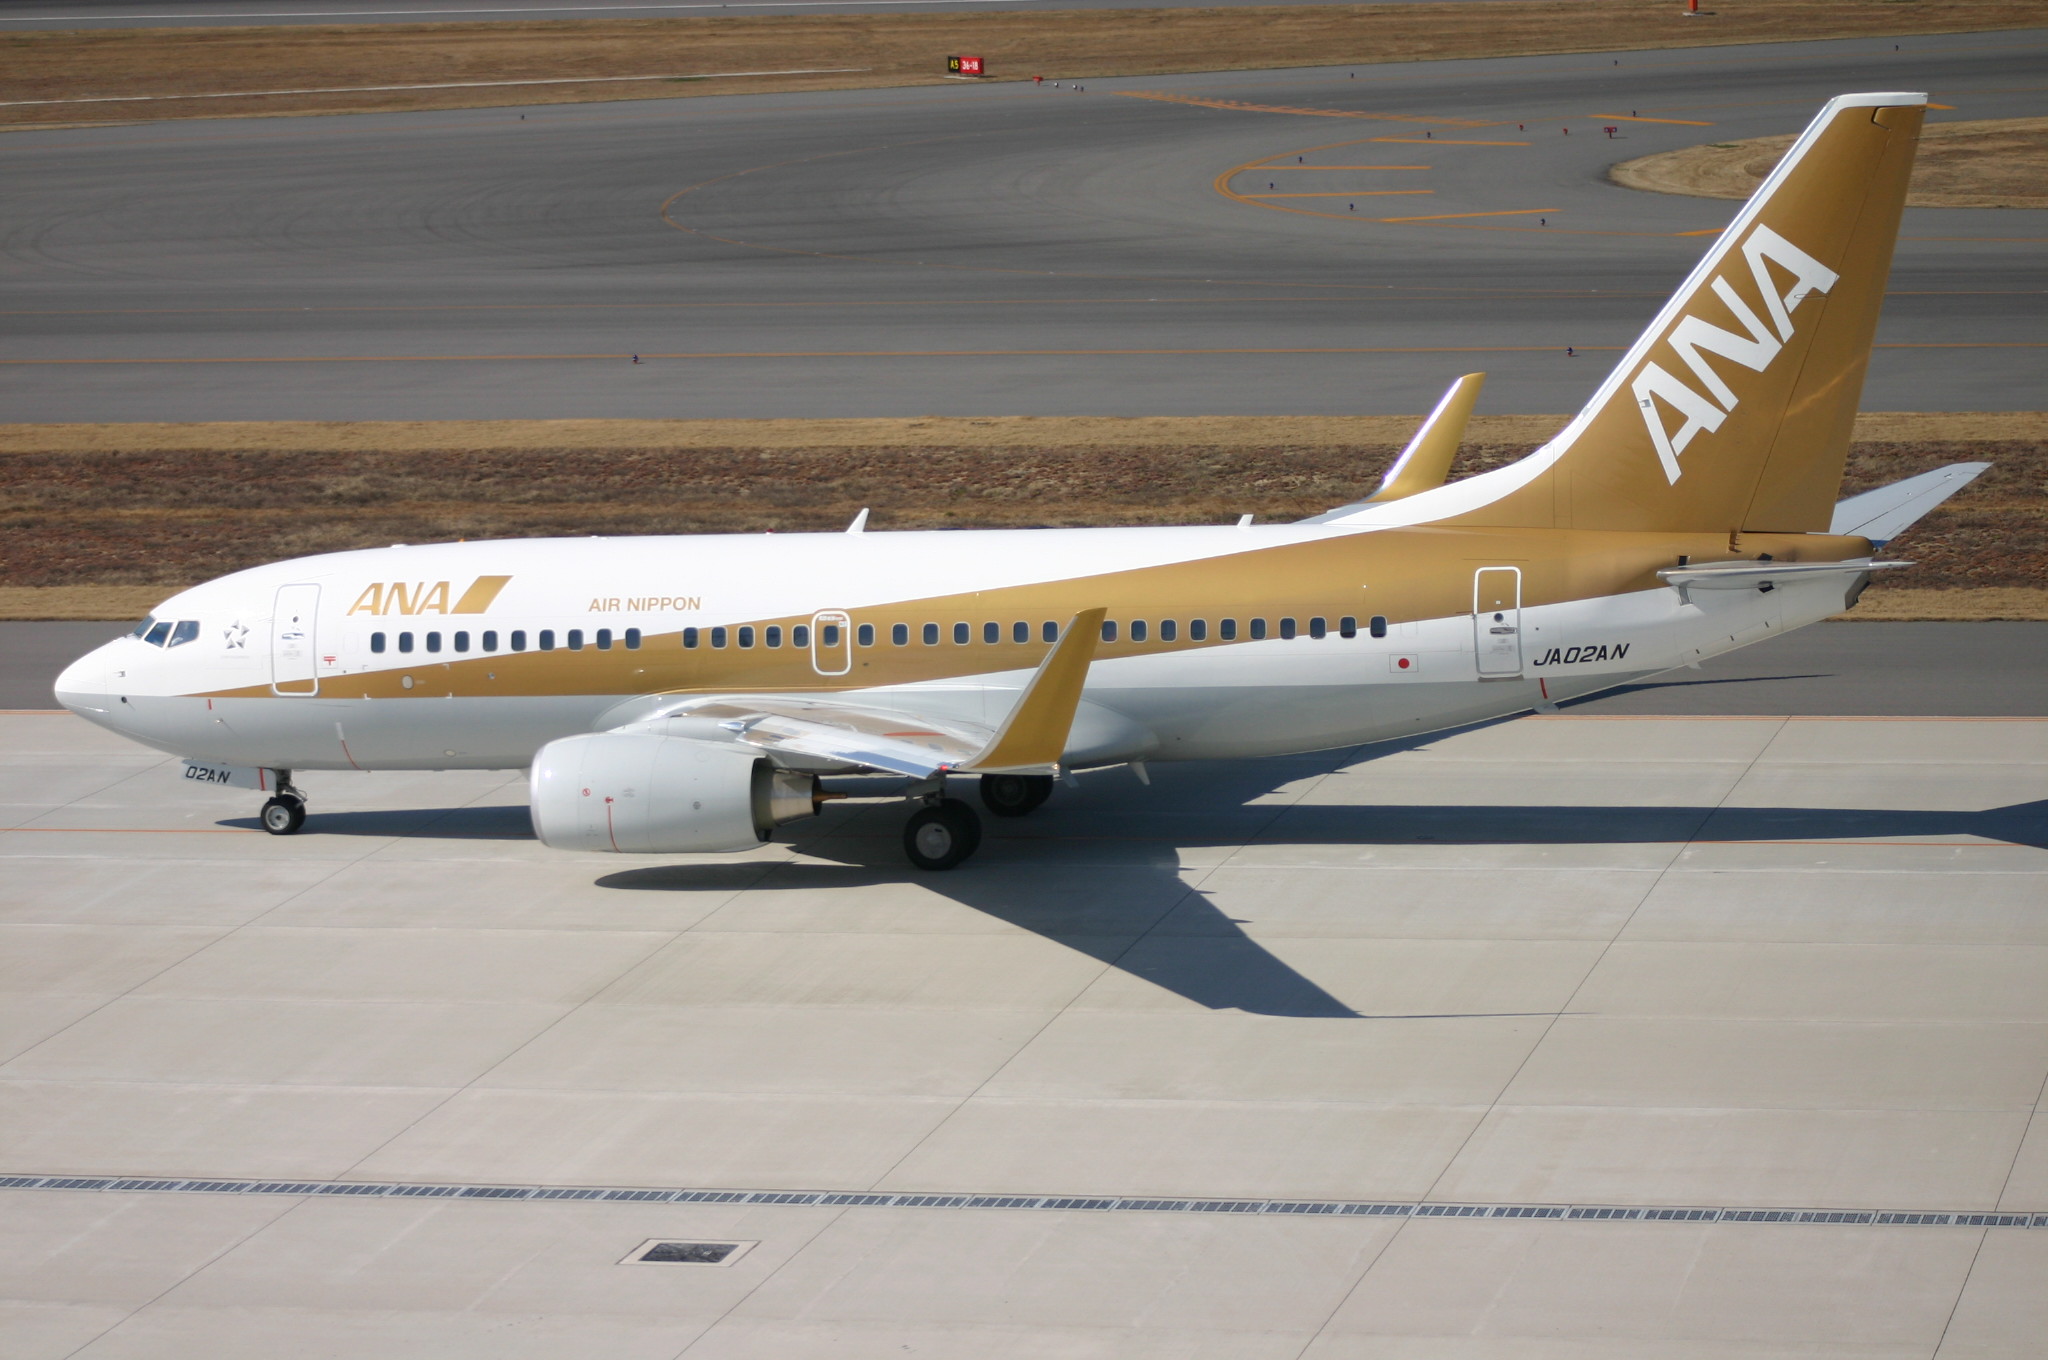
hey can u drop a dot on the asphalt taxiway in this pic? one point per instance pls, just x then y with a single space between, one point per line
1577 1035
1310 241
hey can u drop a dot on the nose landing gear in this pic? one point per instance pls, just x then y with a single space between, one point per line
285 812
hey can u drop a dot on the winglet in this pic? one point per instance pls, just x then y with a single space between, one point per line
1034 736
1426 461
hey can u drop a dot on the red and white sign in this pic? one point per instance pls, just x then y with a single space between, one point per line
965 66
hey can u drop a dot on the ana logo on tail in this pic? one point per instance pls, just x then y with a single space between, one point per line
1693 339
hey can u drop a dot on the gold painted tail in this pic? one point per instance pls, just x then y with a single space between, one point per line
1733 410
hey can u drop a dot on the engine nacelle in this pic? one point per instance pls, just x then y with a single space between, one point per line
646 794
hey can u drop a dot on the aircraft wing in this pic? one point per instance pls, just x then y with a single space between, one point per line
1030 739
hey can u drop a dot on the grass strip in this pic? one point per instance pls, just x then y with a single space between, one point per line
893 49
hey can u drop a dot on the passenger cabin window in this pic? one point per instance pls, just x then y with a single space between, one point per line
746 632
865 635
1379 625
377 642
1287 629
1168 630
1109 630
1226 629
991 632
575 639
433 642
1347 627
689 637
962 634
899 634
1318 627
632 639
718 637
931 635
800 635
462 642
772 635
405 642
518 639
604 639
1138 630
547 639
1198 630
490 639
1258 629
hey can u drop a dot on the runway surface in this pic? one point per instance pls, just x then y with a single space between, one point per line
1833 670
1579 1035
29 15
1325 241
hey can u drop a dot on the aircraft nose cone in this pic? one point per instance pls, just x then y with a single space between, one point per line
82 687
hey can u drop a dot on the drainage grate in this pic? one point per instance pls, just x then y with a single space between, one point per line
664 1251
1584 1213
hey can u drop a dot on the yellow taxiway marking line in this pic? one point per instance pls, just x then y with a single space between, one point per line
1445 141
1354 193
1242 106
1504 212
646 355
1631 118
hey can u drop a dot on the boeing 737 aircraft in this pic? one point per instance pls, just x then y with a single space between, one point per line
672 695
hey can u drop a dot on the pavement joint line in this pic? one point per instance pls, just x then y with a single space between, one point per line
975 1199
440 85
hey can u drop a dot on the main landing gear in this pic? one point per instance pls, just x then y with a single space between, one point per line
285 812
945 831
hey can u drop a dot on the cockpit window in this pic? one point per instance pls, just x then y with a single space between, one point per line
186 630
142 629
159 633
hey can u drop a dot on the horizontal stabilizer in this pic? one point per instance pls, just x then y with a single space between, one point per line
1762 575
1882 515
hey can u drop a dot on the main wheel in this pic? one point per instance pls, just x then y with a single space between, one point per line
1013 795
284 815
941 835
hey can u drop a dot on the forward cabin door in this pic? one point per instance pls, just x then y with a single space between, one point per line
831 643
1497 622
292 642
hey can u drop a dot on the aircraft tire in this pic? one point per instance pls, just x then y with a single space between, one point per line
941 835
1014 795
284 815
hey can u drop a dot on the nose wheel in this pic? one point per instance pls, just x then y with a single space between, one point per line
284 813
941 834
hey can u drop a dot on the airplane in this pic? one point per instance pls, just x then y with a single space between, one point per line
676 695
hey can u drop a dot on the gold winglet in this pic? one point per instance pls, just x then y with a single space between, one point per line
1034 736
1426 461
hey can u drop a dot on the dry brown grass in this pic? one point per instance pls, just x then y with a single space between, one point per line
1993 163
895 49
144 509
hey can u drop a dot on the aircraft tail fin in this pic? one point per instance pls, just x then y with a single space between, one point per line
1733 410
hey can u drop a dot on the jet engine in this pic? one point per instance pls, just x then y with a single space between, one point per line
642 793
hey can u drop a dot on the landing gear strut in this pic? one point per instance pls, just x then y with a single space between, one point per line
941 834
284 813
1014 795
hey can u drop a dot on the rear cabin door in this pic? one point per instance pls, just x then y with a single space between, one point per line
292 642
1497 622
831 643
